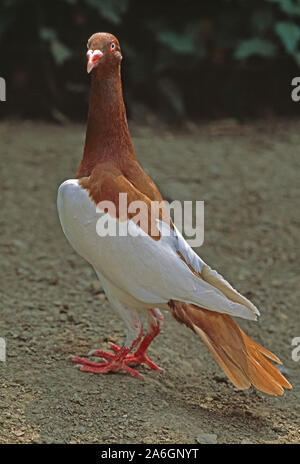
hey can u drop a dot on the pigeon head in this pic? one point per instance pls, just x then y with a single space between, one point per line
103 52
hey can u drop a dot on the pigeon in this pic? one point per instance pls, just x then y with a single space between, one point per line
143 262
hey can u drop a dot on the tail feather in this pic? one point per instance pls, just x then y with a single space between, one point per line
243 360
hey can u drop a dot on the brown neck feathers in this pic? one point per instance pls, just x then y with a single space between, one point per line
107 135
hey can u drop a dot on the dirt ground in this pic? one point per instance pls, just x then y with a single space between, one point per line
52 305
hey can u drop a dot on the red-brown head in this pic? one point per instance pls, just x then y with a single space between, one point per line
103 51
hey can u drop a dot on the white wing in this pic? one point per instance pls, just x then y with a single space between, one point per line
150 271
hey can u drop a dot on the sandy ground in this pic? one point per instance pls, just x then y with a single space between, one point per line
52 306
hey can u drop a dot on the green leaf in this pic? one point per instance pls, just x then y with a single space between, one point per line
182 44
112 10
288 6
289 34
46 33
178 43
59 51
255 46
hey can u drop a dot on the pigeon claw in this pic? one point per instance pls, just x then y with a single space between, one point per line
114 364
136 358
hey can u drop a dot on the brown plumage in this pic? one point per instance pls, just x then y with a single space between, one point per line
243 360
109 165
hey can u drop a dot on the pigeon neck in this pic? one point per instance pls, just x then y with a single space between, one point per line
107 135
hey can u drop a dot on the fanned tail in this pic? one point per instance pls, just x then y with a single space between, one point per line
243 360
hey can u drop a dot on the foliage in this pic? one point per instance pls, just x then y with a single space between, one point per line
166 46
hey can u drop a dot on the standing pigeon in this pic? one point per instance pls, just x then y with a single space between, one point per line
147 266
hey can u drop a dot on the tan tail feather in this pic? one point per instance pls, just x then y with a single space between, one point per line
233 372
243 360
258 353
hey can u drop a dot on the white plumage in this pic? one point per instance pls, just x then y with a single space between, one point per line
136 270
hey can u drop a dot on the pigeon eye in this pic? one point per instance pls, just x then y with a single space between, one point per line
112 46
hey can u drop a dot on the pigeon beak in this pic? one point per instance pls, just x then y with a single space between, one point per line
93 57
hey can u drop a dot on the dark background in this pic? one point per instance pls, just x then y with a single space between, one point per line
182 59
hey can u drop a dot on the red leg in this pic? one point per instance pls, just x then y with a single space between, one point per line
115 362
139 356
